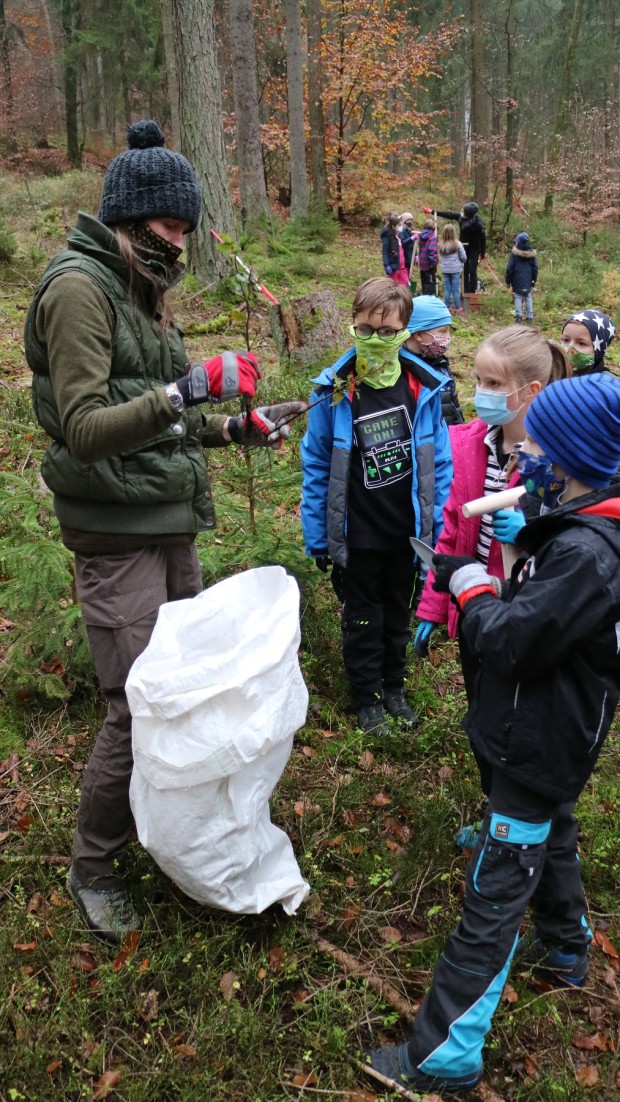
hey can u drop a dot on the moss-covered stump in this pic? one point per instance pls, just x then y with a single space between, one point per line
306 329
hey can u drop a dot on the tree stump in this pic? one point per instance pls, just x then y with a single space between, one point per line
306 330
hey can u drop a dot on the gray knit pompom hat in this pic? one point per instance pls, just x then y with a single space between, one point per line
148 181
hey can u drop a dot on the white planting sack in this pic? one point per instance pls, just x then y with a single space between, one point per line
216 698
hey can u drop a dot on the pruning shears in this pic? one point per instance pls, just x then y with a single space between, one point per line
259 286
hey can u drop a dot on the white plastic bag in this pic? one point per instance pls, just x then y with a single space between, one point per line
216 698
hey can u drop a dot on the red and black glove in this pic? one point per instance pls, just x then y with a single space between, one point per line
227 376
265 427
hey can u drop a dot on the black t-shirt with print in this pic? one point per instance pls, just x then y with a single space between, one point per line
380 509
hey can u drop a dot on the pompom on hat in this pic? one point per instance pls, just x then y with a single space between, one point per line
429 312
149 181
577 424
599 326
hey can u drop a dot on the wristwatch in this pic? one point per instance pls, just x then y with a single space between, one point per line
176 400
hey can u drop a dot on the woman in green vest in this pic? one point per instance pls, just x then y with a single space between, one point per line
114 390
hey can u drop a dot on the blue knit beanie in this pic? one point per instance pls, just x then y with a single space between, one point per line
428 313
577 424
599 326
148 181
523 241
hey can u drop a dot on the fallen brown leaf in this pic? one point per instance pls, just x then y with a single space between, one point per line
609 949
83 961
401 831
591 1041
587 1076
24 823
128 948
229 985
328 734
349 817
303 1080
25 946
610 978
106 1084
380 800
351 915
308 752
531 1069
148 1006
53 1066
366 760
389 934
186 1050
276 958
509 995
444 772
4 835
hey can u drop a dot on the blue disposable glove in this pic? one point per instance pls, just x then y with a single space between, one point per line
422 637
388 270
507 523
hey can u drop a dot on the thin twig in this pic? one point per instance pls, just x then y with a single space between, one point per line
385 1082
354 967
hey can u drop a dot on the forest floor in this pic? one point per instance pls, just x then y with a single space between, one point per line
265 1008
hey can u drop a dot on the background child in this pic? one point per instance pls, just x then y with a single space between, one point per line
511 368
473 238
407 236
452 257
427 257
429 326
521 276
543 705
392 252
586 336
376 470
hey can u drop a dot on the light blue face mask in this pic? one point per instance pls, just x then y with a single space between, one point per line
492 406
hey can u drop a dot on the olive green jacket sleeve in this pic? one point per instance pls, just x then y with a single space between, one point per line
74 319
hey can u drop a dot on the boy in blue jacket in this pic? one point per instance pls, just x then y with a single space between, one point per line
376 470
521 276
542 704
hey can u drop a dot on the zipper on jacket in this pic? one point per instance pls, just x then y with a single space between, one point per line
600 723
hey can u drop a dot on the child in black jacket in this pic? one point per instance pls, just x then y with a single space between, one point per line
543 703
521 276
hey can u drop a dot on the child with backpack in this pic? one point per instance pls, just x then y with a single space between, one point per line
392 251
427 257
429 326
521 276
452 257
544 700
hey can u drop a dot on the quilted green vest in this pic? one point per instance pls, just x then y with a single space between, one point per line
160 488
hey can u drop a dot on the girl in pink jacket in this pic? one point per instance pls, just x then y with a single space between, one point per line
511 368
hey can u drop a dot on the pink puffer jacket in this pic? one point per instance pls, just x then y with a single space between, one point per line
460 536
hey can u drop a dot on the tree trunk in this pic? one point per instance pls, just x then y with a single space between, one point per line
318 165
479 106
7 81
173 84
511 105
306 330
247 122
562 109
201 131
295 89
70 18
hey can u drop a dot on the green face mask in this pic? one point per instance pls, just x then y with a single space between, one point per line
377 362
580 361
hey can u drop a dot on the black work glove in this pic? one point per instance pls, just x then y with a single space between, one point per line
265 427
323 562
444 567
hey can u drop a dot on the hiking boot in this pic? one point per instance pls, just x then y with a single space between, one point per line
392 1061
373 720
396 703
468 835
553 964
108 912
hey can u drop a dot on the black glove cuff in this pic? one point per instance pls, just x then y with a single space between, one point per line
235 429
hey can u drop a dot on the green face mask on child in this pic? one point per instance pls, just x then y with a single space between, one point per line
580 361
377 362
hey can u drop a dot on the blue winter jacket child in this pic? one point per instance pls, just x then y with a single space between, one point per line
326 456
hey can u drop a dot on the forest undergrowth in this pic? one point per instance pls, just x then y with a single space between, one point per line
269 1008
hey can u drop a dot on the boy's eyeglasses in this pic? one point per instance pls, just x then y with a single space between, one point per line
384 332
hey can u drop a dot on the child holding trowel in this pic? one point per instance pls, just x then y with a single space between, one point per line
542 706
376 470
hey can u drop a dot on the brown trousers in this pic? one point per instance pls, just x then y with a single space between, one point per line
120 596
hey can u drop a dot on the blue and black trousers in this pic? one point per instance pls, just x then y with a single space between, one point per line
526 853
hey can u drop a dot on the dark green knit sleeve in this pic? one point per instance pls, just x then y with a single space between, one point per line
75 321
